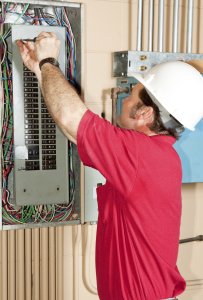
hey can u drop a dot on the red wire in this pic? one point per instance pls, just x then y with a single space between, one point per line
4 132
2 47
55 16
4 15
12 7
27 12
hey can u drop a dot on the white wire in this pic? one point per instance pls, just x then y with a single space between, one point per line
4 51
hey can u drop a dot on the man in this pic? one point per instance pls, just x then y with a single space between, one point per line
140 204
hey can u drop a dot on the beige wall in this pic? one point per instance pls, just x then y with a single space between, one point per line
112 26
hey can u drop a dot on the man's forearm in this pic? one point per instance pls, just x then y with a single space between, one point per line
62 101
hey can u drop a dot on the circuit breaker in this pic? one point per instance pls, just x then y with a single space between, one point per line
189 146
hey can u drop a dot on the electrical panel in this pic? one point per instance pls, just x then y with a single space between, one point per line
40 167
40 148
189 146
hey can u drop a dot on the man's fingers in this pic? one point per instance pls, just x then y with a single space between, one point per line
42 35
22 48
47 45
20 45
53 34
24 51
30 46
19 42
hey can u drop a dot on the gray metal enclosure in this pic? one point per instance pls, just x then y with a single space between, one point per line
41 172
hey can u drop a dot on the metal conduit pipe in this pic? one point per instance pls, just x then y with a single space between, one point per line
59 263
4 265
161 25
12 265
77 235
87 260
175 26
20 287
28 264
151 13
52 263
197 238
114 97
139 26
194 282
44 263
36 283
189 26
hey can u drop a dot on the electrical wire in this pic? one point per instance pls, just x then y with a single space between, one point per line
12 214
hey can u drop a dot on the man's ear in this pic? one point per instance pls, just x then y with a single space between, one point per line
145 112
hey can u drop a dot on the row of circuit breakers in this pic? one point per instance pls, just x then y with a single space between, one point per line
48 127
41 150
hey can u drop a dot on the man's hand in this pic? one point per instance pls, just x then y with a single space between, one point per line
47 45
27 52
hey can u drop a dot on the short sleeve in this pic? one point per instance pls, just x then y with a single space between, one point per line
110 150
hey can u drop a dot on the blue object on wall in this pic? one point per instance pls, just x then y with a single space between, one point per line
189 146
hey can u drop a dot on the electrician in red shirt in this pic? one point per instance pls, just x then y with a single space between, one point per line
140 204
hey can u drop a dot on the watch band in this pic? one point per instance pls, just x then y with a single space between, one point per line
50 60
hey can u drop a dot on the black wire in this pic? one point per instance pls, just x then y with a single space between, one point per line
61 17
68 60
43 16
35 10
38 14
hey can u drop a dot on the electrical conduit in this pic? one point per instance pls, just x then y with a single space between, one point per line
87 260
77 235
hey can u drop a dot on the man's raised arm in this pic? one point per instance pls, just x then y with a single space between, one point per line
62 101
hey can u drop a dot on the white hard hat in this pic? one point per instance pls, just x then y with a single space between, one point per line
177 89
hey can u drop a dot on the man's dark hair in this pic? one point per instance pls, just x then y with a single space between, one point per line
157 125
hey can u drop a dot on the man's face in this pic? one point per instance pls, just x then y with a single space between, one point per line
125 120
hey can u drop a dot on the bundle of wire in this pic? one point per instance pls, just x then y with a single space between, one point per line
12 214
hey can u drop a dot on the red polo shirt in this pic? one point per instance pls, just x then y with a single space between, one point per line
139 210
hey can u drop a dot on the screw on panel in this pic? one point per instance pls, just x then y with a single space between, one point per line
93 223
57 188
143 68
143 57
24 190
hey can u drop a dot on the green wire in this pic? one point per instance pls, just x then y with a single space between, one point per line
52 208
55 15
10 218
7 107
6 87
2 8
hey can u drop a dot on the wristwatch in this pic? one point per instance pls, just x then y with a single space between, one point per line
49 60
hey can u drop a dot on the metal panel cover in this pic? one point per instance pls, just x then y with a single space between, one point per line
36 186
